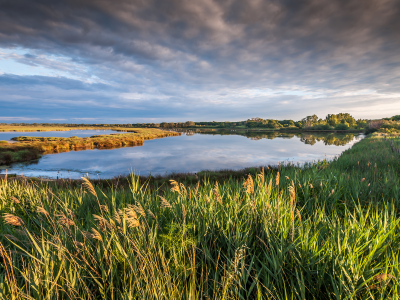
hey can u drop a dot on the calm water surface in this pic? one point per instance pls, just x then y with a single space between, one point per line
6 136
190 153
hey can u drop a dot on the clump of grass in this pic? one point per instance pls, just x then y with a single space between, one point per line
329 230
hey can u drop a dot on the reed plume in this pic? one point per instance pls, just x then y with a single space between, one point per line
249 185
278 176
216 193
13 220
164 203
175 186
89 187
42 211
15 200
63 220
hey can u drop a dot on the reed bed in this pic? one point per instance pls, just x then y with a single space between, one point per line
328 230
29 148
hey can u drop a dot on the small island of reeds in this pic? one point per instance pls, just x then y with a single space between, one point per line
29 148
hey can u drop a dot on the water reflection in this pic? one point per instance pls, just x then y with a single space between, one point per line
190 152
337 139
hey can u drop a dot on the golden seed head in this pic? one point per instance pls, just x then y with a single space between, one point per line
175 186
151 214
63 220
96 235
164 203
42 211
13 220
88 185
249 185
15 200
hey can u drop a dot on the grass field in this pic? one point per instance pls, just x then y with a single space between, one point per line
326 231
29 148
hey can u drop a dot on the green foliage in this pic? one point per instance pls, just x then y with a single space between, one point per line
342 126
329 230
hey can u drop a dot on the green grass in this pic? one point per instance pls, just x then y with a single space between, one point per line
326 231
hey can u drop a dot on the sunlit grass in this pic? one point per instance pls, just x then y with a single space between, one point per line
329 230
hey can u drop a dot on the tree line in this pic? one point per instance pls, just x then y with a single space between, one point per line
341 121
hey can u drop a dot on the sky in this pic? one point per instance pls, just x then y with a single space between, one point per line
120 61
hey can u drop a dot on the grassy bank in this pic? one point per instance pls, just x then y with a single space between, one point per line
327 231
29 148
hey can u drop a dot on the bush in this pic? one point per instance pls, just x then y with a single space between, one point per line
342 126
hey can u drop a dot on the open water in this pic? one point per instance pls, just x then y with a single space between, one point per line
190 152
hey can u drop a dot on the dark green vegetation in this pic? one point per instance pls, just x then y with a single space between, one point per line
341 121
29 148
327 231
332 122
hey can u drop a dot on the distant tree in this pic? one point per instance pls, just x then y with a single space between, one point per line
309 121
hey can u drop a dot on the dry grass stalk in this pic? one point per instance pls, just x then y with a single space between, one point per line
298 214
164 203
292 194
96 235
175 186
117 218
15 200
131 216
261 176
197 188
249 185
43 211
151 214
63 220
79 245
88 185
278 176
13 220
103 223
183 189
216 193
139 209
104 208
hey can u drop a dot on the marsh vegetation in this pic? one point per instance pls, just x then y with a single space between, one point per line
29 148
329 230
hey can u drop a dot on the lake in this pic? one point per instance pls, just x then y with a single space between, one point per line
191 152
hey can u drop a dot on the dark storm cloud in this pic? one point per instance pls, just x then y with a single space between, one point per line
177 56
